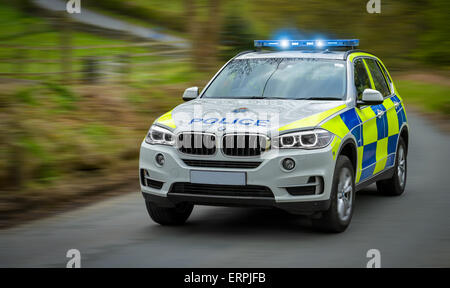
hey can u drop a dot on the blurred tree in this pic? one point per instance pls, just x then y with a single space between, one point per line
204 32
235 36
65 32
190 7
434 42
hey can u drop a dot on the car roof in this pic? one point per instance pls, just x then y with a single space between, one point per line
333 55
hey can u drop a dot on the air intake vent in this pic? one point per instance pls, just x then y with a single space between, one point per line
301 190
221 190
314 186
196 143
146 181
244 144
222 164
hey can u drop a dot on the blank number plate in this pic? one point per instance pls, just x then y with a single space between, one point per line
218 177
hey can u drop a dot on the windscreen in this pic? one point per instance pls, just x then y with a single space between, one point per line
280 78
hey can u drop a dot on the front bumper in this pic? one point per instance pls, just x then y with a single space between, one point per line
309 163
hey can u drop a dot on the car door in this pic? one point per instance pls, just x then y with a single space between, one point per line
386 119
395 116
367 142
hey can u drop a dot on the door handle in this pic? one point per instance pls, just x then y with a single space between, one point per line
380 113
396 104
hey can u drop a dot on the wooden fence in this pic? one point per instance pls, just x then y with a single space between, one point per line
130 61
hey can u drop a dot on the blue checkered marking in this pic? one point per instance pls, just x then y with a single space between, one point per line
357 132
352 120
365 173
390 160
381 122
392 144
396 100
369 154
401 118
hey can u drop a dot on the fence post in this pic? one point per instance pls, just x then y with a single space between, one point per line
90 70
124 67
66 49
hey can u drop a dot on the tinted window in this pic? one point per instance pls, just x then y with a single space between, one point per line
378 77
361 78
285 78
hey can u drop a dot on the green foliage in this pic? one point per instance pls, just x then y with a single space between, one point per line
405 32
434 41
429 97
62 96
26 96
97 133
41 163
236 35
143 11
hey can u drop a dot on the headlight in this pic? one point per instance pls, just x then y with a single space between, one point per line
158 135
313 139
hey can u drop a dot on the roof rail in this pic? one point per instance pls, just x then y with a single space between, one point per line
244 52
347 53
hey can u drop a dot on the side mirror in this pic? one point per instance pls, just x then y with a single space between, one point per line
371 97
190 93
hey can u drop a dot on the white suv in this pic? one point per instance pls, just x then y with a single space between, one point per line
301 128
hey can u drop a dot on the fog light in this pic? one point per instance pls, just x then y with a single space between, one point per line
160 159
288 164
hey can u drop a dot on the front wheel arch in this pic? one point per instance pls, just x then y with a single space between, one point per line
348 148
404 134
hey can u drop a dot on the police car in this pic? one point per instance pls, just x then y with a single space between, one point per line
299 125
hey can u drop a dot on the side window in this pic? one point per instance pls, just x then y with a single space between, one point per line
386 75
361 78
378 77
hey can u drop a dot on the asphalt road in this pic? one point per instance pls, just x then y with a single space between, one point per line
411 230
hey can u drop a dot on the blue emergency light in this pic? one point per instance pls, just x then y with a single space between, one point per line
301 44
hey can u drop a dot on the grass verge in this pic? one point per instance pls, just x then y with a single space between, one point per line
429 97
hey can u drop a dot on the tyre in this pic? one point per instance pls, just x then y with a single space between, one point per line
169 216
396 185
338 216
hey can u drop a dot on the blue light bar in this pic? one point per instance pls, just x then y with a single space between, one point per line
293 44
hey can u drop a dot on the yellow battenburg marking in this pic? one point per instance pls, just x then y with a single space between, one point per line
370 132
391 116
335 146
166 120
365 113
312 120
388 104
336 126
370 75
358 54
360 158
380 166
381 155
